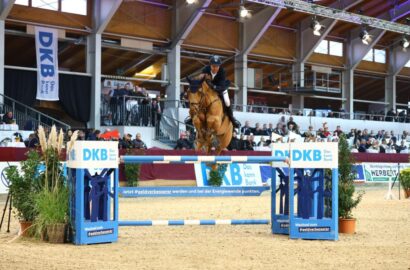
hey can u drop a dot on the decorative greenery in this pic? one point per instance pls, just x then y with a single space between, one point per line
52 202
24 186
132 171
347 202
132 174
405 178
216 175
52 208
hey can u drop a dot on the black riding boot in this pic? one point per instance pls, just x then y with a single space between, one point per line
235 123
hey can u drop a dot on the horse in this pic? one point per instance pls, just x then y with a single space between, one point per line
207 114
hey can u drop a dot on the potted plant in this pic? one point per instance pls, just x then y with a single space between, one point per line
52 201
23 189
405 181
347 200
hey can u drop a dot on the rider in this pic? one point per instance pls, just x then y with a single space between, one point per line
216 73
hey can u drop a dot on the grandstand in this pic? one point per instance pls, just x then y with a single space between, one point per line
280 59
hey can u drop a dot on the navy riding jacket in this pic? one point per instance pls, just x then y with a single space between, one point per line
219 80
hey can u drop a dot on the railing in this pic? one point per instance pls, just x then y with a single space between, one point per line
28 118
402 118
170 129
312 81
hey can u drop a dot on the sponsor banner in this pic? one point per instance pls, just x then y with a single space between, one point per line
237 174
190 191
359 171
382 172
3 178
307 155
93 154
47 63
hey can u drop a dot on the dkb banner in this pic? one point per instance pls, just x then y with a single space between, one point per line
236 175
47 63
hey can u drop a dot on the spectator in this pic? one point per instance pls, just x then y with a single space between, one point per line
309 133
270 129
156 112
258 130
401 148
265 131
338 131
279 129
183 143
8 118
384 146
362 146
94 135
33 140
393 137
246 129
138 143
235 143
262 142
291 122
125 142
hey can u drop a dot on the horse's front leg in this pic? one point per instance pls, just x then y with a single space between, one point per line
213 123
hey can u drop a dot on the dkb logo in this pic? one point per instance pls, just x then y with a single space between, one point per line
306 155
95 154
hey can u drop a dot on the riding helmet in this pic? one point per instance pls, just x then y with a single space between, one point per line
215 60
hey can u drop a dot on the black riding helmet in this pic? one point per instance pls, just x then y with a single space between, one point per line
215 60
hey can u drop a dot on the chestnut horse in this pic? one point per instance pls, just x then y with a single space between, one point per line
207 114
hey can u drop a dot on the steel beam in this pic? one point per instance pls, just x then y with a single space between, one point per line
254 28
184 19
103 11
5 8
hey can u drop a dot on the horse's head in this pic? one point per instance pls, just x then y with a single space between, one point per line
195 93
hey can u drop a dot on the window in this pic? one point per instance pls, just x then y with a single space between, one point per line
369 56
330 47
74 6
335 48
380 56
408 64
323 47
376 55
45 4
21 2
69 6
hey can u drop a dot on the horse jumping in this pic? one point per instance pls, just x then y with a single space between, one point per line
207 114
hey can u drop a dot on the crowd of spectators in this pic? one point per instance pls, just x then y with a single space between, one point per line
288 131
130 105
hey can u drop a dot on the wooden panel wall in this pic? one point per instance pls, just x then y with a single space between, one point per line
142 20
39 15
405 71
372 66
277 43
214 32
326 59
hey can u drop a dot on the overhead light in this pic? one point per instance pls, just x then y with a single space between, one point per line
243 12
189 2
404 43
316 26
365 37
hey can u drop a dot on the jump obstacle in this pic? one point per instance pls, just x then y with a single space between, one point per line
94 196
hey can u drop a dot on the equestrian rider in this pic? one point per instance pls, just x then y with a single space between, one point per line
216 74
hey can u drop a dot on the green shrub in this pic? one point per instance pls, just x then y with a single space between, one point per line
216 176
347 202
132 174
405 178
52 208
24 186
